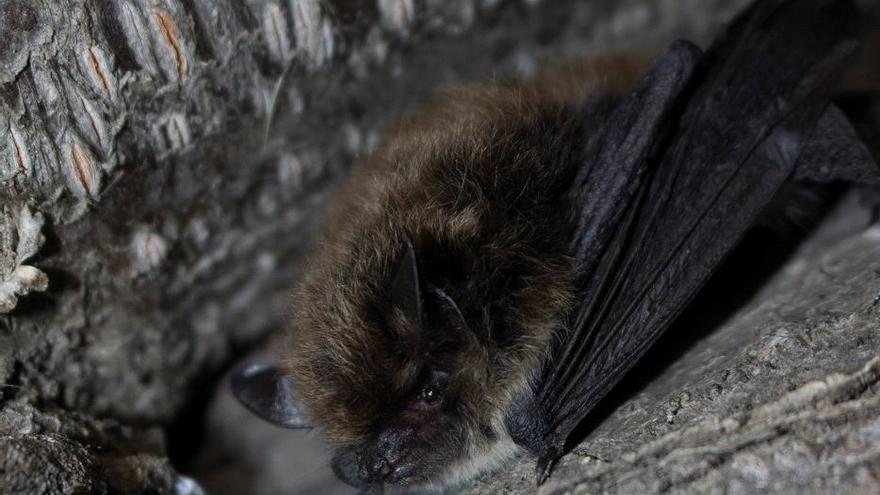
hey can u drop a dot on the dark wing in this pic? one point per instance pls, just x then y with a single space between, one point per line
660 212
615 166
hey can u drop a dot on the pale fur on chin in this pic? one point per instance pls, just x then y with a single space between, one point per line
478 461
494 457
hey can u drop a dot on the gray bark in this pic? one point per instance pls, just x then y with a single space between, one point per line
162 164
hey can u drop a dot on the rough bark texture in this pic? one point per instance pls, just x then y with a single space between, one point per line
162 163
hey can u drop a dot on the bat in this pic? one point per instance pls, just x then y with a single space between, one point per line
513 248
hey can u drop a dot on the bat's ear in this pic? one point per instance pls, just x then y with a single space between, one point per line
450 309
264 390
406 288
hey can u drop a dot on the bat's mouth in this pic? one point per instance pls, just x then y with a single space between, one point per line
401 473
357 471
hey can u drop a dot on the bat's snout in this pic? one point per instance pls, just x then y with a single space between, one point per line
382 470
386 461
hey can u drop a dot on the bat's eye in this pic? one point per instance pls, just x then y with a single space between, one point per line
430 395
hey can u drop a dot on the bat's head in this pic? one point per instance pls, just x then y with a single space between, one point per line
400 383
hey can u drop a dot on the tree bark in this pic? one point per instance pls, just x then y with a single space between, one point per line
162 164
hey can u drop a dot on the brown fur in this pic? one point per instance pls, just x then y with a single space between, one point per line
478 179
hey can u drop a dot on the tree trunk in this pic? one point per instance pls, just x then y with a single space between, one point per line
163 162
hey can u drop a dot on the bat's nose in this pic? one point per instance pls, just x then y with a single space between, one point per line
382 468
385 459
375 468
